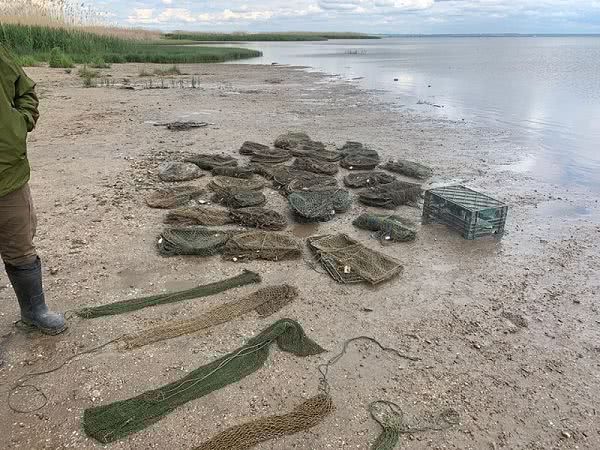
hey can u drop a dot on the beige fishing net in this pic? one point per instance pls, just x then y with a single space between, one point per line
223 184
173 197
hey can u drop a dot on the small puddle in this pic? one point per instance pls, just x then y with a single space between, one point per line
305 230
559 209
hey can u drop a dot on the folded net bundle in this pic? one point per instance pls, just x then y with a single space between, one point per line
358 157
409 168
315 166
229 184
388 228
197 241
242 199
173 197
348 261
248 435
288 179
210 161
200 215
391 195
291 140
267 245
233 172
367 179
114 421
135 304
315 150
265 302
262 218
270 156
248 148
319 206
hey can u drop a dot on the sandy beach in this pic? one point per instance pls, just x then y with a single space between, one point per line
507 331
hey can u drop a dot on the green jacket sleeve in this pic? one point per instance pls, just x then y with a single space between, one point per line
26 101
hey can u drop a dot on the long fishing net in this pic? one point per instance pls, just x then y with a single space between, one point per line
319 206
391 195
135 304
367 179
200 215
287 180
173 197
248 435
233 172
388 228
210 161
409 168
111 422
265 302
358 157
291 140
230 184
315 166
261 218
243 199
266 245
270 156
348 261
394 423
197 241
248 148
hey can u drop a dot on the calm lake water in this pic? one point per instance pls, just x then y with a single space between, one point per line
546 89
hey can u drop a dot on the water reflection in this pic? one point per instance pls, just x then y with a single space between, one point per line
545 89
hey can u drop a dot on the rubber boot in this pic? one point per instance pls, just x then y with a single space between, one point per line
27 283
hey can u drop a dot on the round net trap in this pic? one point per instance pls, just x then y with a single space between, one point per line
270 156
319 206
197 241
358 157
291 140
367 179
230 184
315 166
240 199
287 180
267 245
210 161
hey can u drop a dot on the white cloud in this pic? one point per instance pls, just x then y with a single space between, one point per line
166 2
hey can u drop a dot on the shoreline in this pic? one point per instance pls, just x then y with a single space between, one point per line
94 157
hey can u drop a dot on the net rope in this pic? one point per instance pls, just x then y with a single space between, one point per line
114 421
136 304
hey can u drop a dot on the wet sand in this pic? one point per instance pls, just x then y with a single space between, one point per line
508 331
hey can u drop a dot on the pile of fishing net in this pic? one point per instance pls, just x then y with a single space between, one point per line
248 148
316 150
315 166
210 161
358 157
197 241
265 301
391 195
200 215
136 304
409 168
287 180
270 156
291 140
173 197
348 261
233 172
229 184
388 228
266 245
117 420
367 179
243 199
261 218
319 206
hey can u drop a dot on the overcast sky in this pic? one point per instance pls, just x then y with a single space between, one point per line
372 16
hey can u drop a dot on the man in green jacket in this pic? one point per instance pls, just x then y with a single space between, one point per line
18 116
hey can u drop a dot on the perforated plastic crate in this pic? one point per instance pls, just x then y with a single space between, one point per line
471 213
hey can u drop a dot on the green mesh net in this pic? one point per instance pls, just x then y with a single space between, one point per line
248 435
358 157
409 169
210 161
233 172
243 199
287 180
319 206
173 197
270 156
135 304
266 245
200 215
316 150
367 179
348 261
315 166
388 228
248 148
262 218
291 139
117 420
391 195
230 184
197 241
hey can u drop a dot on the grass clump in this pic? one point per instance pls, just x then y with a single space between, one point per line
58 60
173 70
28 61
88 76
98 63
